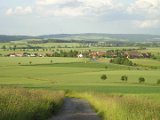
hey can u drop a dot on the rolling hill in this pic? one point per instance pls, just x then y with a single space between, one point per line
88 37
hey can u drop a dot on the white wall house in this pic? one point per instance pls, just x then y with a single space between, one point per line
80 56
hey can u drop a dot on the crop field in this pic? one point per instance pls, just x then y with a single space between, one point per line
152 50
17 61
147 62
69 72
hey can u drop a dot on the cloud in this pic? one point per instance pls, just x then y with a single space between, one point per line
77 7
73 8
149 10
145 7
19 11
147 23
86 3
52 2
97 3
67 11
9 11
66 7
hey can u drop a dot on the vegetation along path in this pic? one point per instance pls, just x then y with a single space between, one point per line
76 109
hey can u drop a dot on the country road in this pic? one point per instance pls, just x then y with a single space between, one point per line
76 109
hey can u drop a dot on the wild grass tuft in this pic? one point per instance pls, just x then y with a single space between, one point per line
22 104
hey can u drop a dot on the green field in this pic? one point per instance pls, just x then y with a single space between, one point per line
84 77
147 62
68 73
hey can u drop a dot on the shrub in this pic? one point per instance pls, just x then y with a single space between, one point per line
103 77
158 81
30 62
106 67
141 80
124 78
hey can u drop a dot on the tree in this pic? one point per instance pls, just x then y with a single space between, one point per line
124 78
103 77
14 47
30 62
4 47
141 79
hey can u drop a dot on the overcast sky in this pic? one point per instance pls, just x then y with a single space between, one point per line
37 17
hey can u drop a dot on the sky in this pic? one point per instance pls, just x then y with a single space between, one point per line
41 17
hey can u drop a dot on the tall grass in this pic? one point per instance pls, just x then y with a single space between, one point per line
122 107
22 104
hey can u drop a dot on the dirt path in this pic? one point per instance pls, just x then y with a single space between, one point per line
76 109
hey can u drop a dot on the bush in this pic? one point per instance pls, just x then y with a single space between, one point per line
106 67
122 61
141 80
103 77
158 81
124 78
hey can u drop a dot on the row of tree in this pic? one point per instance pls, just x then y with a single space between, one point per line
124 78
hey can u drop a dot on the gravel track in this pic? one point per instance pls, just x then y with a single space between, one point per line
76 109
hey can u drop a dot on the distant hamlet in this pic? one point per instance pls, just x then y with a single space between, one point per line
87 54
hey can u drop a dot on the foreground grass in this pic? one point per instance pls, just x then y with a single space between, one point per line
23 104
122 107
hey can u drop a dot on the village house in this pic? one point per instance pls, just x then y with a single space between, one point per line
101 53
41 55
146 55
133 54
80 55
95 54
15 55
110 54
31 55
